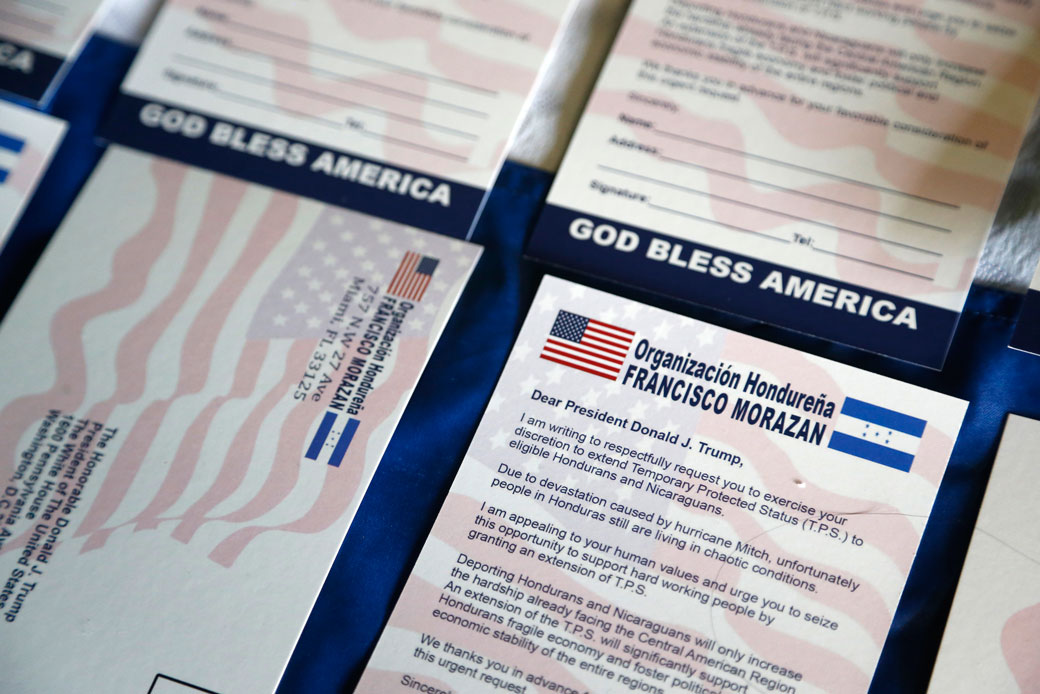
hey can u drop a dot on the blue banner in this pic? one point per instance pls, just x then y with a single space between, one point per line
294 165
27 72
821 306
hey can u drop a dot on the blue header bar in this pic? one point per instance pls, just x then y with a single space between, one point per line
813 304
294 165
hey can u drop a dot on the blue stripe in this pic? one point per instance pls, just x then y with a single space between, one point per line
319 438
11 143
871 451
344 442
3 175
889 419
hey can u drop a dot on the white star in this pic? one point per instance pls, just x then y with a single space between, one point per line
420 242
613 388
578 291
547 303
631 310
318 245
359 251
325 297
392 252
570 481
342 274
377 277
645 445
279 320
346 236
439 286
662 329
303 271
590 398
300 307
499 439
463 260
375 224
336 220
383 239
521 351
637 410
532 465
329 261
417 324
529 383
624 493
288 293
495 402
368 266
429 309
707 336
555 374
314 285
610 315
313 323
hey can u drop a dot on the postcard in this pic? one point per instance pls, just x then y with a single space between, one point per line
834 170
655 504
199 380
993 634
28 140
400 110
39 40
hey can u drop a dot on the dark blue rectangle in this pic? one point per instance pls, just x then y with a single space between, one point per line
1027 331
11 143
927 344
871 451
427 266
883 417
3 175
31 83
126 126
319 438
344 442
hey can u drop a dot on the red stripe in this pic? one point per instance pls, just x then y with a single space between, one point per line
612 327
580 368
590 352
608 338
422 289
597 344
613 369
397 275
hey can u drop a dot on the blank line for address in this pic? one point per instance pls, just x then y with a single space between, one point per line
803 194
285 38
741 203
335 124
266 81
873 264
717 223
780 162
347 79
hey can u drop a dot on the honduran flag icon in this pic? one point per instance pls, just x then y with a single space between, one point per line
877 434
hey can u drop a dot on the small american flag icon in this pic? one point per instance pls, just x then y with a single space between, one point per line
413 276
587 344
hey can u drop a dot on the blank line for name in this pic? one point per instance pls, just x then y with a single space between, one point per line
285 38
779 162
741 203
415 145
873 264
259 79
347 79
334 124
802 193
717 223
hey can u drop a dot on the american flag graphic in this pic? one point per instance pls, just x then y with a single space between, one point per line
413 276
587 344
10 148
